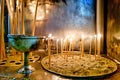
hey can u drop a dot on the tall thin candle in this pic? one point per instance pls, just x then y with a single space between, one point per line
73 48
57 45
99 38
70 46
18 16
90 45
82 46
10 13
23 27
95 46
67 49
2 43
61 46
14 17
34 22
49 49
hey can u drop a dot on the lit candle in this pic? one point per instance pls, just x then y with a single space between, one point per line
61 46
73 47
73 43
67 45
50 36
95 46
82 54
64 48
57 46
64 45
90 45
99 38
70 45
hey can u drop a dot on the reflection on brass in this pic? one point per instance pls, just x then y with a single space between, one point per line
113 29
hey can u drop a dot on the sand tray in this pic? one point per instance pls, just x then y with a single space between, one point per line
75 66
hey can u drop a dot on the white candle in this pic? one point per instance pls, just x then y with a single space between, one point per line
98 39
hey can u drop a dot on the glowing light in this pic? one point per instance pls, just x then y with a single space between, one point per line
17 2
32 8
95 36
90 37
71 39
99 36
47 6
50 35
83 36
67 36
40 17
99 45
73 36
47 11
57 40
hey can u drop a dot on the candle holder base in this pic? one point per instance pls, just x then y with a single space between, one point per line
28 71
25 44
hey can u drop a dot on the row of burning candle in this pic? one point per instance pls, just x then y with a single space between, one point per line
70 41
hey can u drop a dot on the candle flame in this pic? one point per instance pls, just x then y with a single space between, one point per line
50 35
71 40
83 36
57 40
17 2
95 36
61 39
64 40
47 11
67 37
99 35
90 37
